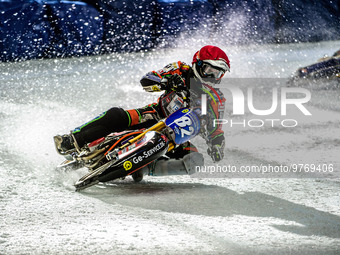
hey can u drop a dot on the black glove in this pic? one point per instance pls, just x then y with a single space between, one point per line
176 83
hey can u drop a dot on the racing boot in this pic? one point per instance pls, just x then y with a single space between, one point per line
64 144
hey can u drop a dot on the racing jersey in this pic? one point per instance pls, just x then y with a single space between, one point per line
169 101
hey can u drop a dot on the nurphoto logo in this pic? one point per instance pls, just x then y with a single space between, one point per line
296 97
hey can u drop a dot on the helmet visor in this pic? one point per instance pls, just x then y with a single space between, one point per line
209 71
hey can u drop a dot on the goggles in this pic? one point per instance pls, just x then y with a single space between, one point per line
212 72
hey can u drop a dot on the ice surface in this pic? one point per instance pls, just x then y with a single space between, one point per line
41 214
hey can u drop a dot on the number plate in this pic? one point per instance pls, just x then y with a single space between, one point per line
185 124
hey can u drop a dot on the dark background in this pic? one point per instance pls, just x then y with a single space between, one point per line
45 29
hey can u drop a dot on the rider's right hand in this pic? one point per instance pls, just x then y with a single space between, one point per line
176 83
216 152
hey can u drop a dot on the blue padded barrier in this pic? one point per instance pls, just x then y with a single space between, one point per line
35 29
24 30
77 28
245 21
42 28
307 20
186 17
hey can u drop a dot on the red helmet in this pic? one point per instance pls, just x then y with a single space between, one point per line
210 64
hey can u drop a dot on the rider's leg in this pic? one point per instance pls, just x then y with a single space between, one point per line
114 120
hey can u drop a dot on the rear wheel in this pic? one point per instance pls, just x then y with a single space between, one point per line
138 175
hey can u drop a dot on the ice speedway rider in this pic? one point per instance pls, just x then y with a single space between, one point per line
209 65
326 67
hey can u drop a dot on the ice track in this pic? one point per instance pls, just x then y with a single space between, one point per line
42 214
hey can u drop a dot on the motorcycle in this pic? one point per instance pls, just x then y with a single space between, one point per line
121 154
